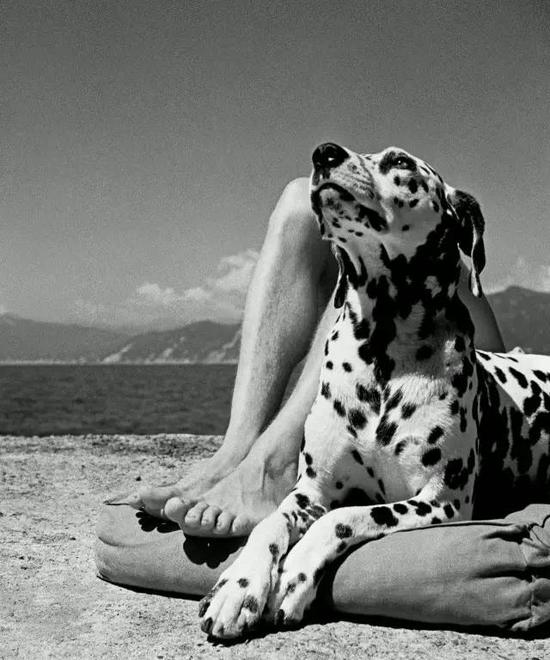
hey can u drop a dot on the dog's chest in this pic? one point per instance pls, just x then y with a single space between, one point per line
373 432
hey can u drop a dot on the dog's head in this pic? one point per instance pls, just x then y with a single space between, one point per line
393 198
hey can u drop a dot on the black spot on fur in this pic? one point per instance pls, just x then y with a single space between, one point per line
325 390
383 515
431 457
400 508
399 447
456 474
343 531
339 408
329 364
413 203
250 603
435 521
421 508
302 500
357 456
346 366
500 375
541 375
243 582
357 418
394 400
522 381
532 403
311 472
385 431
274 550
408 410
308 459
370 472
435 434
449 511
370 396
413 186
463 420
339 485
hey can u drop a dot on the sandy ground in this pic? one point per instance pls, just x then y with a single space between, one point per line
53 605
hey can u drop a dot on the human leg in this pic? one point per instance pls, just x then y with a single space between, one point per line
292 280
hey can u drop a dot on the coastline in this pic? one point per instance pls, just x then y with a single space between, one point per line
53 604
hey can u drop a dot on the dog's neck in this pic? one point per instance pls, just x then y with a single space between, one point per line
391 298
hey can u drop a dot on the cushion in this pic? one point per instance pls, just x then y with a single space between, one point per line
474 573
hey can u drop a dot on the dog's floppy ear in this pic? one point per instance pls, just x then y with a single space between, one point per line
471 226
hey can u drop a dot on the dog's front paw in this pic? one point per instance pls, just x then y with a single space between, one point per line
234 606
289 602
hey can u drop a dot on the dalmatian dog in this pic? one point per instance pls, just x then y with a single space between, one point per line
411 425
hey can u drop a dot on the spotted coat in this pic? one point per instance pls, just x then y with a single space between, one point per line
411 425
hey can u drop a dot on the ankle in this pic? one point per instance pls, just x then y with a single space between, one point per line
235 447
279 456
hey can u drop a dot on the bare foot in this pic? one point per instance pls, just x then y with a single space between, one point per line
238 501
204 475
230 503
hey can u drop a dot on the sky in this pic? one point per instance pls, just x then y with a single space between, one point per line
145 143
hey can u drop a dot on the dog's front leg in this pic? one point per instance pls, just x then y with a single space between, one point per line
238 599
341 529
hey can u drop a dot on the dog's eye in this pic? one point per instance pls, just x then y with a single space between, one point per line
403 163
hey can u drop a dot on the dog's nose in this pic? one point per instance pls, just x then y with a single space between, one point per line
329 155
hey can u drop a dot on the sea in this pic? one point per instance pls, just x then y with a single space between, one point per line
53 399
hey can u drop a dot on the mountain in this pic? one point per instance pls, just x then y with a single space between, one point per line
22 339
524 318
204 342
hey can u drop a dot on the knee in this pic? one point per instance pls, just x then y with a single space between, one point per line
292 223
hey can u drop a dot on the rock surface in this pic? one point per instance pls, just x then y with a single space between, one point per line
53 605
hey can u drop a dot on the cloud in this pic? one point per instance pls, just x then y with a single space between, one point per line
525 275
153 294
220 298
223 295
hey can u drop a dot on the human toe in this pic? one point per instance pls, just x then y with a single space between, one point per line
176 509
193 516
154 498
241 526
210 517
223 524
